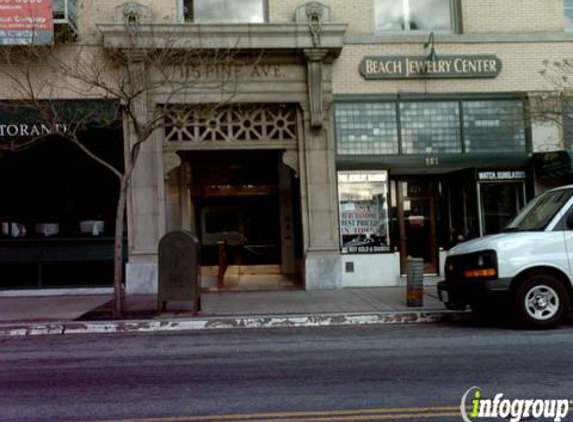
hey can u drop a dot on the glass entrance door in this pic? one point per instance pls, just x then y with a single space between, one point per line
417 218
236 199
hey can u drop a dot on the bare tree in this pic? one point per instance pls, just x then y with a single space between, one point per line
555 105
41 76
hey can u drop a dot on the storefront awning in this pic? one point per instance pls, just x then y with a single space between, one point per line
433 164
554 163
91 112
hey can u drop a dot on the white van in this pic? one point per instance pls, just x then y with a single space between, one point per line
529 265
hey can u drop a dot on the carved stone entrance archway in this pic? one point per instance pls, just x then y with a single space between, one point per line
295 68
234 190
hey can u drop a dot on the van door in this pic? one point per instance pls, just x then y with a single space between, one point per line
566 226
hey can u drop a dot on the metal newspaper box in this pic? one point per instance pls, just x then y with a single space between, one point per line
415 282
179 269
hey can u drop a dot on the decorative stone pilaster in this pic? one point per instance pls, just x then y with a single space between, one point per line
315 59
322 250
143 205
315 14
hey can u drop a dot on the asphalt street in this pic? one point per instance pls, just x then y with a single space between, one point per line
408 372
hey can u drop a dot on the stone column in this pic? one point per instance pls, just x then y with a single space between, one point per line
143 211
322 259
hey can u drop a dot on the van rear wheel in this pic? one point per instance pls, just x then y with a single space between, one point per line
541 301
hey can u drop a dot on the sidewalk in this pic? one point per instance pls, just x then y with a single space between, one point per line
221 310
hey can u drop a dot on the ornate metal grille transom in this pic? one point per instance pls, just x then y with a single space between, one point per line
231 124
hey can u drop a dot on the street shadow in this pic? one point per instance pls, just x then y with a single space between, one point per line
105 313
499 319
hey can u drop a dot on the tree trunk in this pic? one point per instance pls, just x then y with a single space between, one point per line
118 284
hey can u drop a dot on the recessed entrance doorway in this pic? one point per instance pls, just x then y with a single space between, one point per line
244 205
417 218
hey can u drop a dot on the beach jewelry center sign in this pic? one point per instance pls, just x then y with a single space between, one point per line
26 22
419 67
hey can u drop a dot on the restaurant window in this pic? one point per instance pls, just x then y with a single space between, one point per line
363 208
224 11
415 15
568 14
56 190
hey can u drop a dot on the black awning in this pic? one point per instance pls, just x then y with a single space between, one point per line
76 113
433 163
554 163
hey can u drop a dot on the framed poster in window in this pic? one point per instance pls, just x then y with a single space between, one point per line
363 211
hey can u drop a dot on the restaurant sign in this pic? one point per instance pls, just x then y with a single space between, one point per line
31 130
418 67
26 22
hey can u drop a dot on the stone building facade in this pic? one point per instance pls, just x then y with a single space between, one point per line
348 146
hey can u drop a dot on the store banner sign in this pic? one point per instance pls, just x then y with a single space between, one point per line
26 22
501 175
418 67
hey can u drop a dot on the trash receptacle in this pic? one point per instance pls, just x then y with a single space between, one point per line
415 282
179 269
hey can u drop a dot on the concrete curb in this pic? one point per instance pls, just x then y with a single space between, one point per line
237 322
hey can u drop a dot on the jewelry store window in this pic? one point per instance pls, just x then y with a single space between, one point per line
363 210
501 195
224 11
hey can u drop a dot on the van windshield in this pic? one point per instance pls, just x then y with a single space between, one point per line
538 213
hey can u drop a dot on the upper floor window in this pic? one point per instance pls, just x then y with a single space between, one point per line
568 13
224 11
415 15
